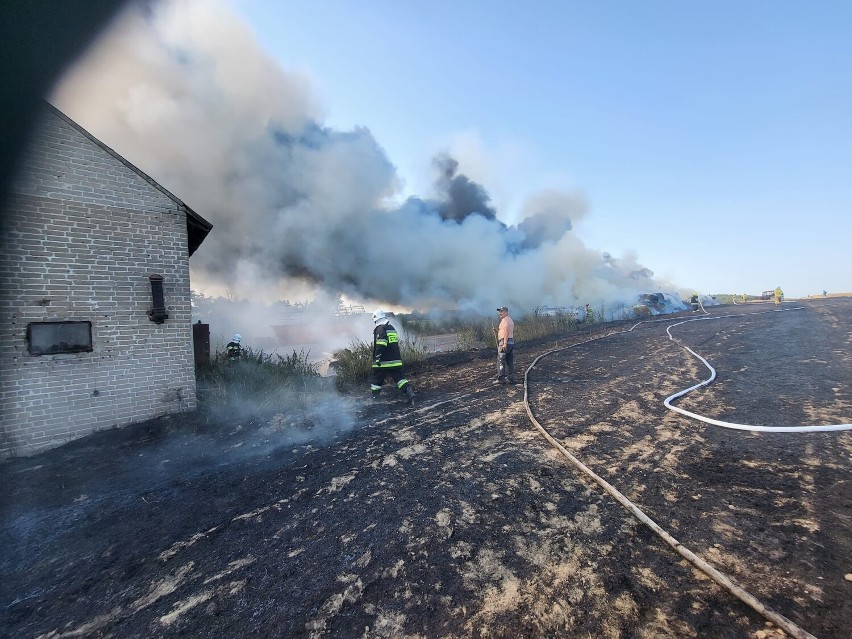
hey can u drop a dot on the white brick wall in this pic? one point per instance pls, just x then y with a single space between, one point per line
83 233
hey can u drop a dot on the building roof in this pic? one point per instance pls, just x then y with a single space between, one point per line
196 226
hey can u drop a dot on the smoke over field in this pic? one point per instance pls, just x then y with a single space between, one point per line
182 89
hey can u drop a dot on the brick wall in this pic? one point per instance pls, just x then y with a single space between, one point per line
83 231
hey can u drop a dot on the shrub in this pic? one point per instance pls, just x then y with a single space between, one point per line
474 335
537 326
352 365
261 379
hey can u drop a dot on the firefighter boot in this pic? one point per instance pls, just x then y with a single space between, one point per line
409 393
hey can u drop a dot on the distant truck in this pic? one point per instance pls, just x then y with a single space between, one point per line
767 295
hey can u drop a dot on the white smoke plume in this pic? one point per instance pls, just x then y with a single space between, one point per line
183 91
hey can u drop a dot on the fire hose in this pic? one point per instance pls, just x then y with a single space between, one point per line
721 579
716 422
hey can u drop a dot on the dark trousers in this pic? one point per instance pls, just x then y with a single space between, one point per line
378 375
506 361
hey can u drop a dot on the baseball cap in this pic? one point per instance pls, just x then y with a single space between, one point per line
503 308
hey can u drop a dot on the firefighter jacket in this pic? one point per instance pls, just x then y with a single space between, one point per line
234 350
386 347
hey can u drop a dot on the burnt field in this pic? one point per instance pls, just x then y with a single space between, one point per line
458 518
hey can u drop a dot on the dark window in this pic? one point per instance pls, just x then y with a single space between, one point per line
47 338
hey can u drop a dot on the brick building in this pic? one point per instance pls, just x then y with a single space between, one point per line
95 319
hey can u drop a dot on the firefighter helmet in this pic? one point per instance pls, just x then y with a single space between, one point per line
379 316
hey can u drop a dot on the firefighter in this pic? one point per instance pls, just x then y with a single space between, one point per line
694 302
387 360
233 349
778 296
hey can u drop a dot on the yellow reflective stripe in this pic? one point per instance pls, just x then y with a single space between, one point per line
393 338
381 342
389 364
401 383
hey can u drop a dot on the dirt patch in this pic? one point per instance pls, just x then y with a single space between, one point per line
457 519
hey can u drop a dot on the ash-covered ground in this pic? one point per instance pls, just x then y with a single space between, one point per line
344 518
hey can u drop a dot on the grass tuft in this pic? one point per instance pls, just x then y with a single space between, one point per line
352 365
262 380
537 326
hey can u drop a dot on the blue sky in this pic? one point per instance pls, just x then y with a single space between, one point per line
712 140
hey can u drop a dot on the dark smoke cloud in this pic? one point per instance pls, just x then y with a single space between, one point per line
549 218
183 91
461 196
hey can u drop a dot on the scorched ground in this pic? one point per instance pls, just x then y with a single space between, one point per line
456 519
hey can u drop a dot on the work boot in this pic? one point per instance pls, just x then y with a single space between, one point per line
409 393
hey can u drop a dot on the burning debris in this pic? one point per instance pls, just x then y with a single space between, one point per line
661 303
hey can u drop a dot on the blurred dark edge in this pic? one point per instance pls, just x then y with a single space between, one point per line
39 39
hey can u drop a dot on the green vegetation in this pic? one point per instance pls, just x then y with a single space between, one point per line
470 332
537 326
263 380
418 324
266 381
473 335
352 365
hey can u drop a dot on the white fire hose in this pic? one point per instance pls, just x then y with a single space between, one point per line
726 582
716 422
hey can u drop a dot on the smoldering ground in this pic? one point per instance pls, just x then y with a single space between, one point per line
170 451
181 88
